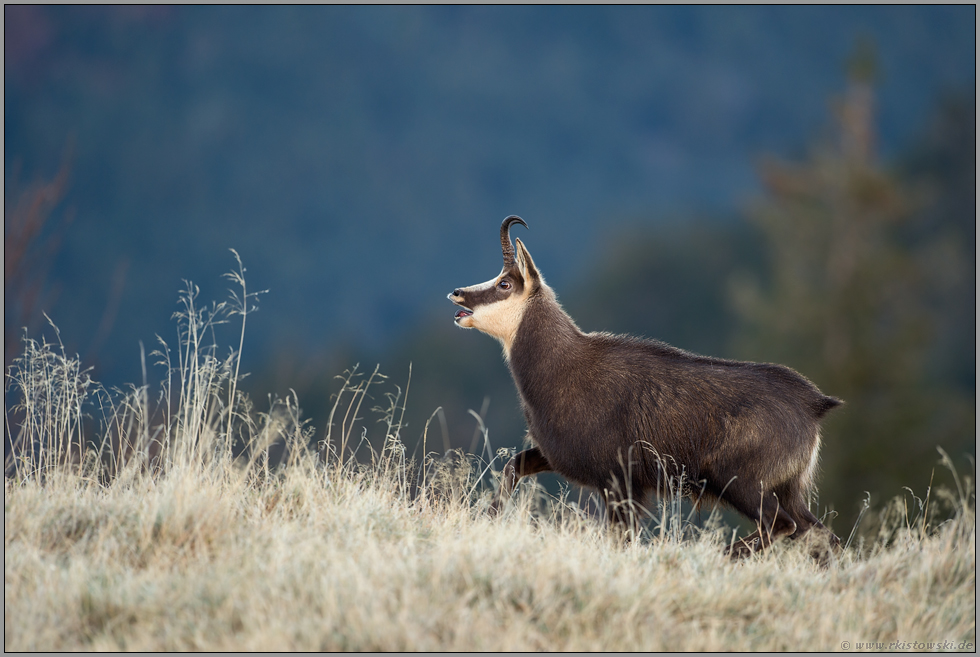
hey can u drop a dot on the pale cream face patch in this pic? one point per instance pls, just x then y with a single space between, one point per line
499 319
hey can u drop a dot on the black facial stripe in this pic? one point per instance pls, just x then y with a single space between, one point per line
474 298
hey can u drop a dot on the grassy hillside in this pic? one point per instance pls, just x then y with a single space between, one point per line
207 525
332 559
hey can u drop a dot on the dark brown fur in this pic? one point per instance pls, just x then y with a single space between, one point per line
623 415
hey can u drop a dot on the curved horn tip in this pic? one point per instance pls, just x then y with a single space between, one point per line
513 219
505 242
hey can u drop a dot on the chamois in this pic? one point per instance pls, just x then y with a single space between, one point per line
627 416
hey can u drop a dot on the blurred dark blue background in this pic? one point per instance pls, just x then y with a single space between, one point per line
360 159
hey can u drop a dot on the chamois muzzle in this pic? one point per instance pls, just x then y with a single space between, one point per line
505 243
457 298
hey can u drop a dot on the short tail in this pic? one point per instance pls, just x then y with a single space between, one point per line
823 404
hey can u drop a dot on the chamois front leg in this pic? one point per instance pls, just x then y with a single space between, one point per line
528 462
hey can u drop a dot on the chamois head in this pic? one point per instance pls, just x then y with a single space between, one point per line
497 306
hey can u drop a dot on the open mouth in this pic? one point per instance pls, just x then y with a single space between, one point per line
463 311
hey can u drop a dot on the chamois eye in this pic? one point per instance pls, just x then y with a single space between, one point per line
504 285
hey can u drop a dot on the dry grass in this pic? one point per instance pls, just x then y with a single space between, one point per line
186 535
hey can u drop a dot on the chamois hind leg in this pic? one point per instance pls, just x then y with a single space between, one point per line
527 463
773 521
822 543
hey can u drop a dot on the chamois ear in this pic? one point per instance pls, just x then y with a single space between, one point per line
524 262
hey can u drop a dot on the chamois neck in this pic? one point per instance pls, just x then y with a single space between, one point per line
546 331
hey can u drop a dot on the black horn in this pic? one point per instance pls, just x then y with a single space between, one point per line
505 243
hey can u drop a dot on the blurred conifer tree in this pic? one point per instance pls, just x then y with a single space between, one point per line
851 303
